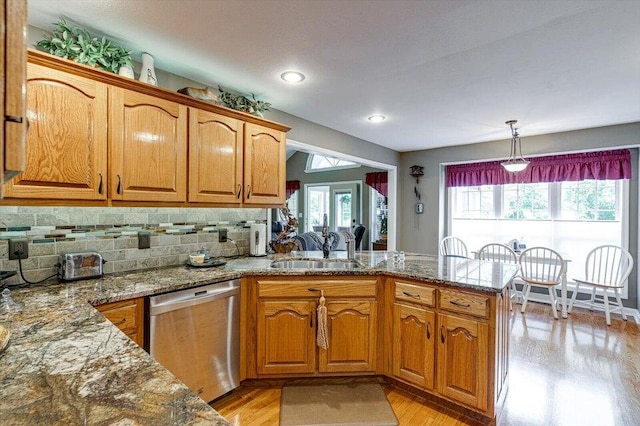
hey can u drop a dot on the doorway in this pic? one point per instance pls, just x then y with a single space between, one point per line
340 201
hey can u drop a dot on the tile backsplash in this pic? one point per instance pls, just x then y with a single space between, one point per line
113 232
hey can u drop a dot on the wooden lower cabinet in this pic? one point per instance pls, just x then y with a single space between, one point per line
128 316
414 332
286 337
463 365
447 342
286 327
352 337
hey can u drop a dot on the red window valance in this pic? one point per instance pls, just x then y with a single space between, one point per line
292 186
378 181
602 165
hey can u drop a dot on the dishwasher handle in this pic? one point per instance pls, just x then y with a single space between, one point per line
169 306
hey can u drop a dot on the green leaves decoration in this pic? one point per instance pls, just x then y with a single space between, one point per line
242 103
76 43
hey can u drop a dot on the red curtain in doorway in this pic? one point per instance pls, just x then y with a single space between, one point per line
292 186
378 181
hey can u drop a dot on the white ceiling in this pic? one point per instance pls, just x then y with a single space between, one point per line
444 72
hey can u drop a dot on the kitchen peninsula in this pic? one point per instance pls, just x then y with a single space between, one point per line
66 364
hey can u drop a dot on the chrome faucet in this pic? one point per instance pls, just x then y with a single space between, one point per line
325 234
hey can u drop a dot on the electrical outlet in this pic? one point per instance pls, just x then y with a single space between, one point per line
144 239
222 235
18 245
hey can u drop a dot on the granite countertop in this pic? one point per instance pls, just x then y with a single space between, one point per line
66 364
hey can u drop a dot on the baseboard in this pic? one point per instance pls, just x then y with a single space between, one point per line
544 298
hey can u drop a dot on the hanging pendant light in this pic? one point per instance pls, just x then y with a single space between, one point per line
515 163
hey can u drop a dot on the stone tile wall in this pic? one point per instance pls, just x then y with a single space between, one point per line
113 232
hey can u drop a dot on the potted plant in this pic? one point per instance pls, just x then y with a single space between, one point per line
76 43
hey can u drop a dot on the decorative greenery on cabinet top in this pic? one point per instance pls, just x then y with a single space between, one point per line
76 43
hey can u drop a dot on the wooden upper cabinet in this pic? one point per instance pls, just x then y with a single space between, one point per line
148 147
13 63
215 158
264 165
67 138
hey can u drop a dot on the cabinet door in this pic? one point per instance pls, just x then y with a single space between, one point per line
463 360
286 337
13 63
67 138
215 158
352 337
414 335
264 165
128 316
148 146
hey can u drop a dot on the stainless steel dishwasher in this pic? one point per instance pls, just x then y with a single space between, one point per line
195 334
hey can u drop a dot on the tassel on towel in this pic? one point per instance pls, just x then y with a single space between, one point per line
322 340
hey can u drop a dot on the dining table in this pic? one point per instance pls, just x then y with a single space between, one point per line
563 280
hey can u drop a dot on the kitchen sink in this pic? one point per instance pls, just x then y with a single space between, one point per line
315 264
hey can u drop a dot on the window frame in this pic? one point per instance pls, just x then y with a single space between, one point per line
310 158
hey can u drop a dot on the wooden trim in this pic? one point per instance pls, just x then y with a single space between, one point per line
120 203
387 327
46 59
250 345
13 71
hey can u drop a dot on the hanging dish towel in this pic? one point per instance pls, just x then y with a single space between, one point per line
322 339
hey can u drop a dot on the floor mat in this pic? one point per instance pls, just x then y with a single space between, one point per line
357 404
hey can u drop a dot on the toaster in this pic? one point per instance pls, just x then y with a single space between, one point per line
80 265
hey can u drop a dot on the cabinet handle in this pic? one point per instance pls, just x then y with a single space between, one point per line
428 330
314 289
442 333
248 191
122 321
415 296
455 302
310 321
100 184
13 118
118 188
239 190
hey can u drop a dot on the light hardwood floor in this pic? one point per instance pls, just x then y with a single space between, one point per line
575 372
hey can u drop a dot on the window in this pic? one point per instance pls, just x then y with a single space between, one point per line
340 201
317 205
589 200
474 201
569 217
322 163
526 201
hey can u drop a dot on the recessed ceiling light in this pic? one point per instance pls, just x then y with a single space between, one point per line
292 76
377 118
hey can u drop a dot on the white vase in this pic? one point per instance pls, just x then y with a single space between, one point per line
147 73
126 71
